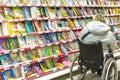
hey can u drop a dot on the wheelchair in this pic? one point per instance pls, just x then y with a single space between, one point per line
91 59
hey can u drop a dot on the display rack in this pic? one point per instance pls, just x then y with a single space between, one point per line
59 24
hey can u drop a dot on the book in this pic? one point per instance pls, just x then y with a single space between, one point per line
37 26
1 30
22 42
44 66
45 25
15 57
31 41
5 60
8 13
29 26
21 27
33 54
13 43
35 13
26 12
3 44
17 12
40 39
24 56
2 14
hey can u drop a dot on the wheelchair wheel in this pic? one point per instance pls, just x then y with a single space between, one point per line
81 74
110 70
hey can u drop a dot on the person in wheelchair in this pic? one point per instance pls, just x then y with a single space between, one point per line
98 31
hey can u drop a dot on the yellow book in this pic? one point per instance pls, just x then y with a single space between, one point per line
116 10
70 23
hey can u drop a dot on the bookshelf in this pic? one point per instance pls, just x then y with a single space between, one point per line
37 36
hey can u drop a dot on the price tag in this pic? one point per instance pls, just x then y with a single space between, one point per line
6 52
15 50
32 47
54 69
22 49
12 35
24 34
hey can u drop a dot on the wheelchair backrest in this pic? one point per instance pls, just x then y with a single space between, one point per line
91 55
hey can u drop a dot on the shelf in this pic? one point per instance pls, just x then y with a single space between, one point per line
54 73
43 32
29 62
54 5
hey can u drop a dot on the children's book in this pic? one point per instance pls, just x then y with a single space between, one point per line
40 39
58 12
50 64
63 12
29 26
59 36
28 70
52 25
2 15
21 27
8 74
44 66
71 35
35 12
41 52
26 12
33 54
37 26
5 59
15 57
8 13
1 77
48 38
65 35
22 42
63 48
70 23
31 41
14 1
17 12
26 1
3 44
69 11
5 29
13 43
51 12
37 68
24 56
45 25
42 12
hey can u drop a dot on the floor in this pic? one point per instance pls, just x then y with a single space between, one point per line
89 76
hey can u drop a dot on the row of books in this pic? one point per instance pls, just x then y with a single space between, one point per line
16 28
35 40
37 12
33 54
36 68
63 2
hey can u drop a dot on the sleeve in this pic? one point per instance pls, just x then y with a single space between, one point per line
113 44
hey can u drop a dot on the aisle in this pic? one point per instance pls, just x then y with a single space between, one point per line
89 76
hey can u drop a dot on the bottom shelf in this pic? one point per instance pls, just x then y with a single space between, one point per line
57 74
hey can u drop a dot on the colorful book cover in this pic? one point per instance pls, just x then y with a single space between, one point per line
40 39
47 51
12 28
35 1
52 25
29 26
15 57
44 66
63 12
58 12
2 15
17 12
37 68
5 59
13 43
42 12
26 1
8 13
3 44
28 70
21 27
37 26
8 74
14 1
76 23
5 29
35 12
48 38
63 48
31 41
50 64
59 36
22 42
45 25
51 11
41 51
70 11
24 56
26 12
70 23
33 54
65 35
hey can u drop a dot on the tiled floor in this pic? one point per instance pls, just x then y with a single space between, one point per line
89 76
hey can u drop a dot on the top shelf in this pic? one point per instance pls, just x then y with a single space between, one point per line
51 5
